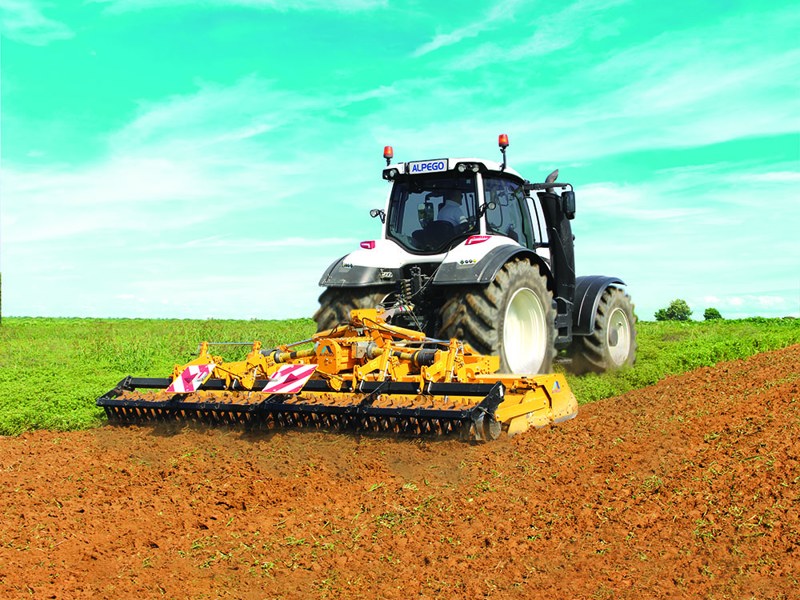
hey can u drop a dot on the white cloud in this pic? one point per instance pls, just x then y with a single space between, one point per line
771 301
556 125
719 245
119 6
191 159
771 177
499 13
632 202
549 33
246 243
773 304
180 173
683 88
44 205
211 115
24 21
447 39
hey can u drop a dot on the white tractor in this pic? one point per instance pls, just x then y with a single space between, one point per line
471 250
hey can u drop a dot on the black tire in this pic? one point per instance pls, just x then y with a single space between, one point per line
612 345
492 318
335 304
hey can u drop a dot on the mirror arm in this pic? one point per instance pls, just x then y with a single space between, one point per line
533 187
484 207
378 212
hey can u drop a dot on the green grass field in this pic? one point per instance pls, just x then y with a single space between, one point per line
52 370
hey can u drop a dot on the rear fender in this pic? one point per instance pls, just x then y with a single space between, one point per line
479 263
588 291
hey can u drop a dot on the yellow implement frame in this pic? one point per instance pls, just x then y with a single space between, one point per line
366 372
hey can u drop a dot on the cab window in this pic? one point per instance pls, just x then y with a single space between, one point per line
419 218
509 217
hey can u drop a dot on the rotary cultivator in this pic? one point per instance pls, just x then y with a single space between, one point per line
367 375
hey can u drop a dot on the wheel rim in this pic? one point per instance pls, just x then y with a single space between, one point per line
618 336
524 332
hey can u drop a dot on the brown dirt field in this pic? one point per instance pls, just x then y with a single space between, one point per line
687 489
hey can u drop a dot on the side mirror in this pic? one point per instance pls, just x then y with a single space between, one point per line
378 212
568 203
491 205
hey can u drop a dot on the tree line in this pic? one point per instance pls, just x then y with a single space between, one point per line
678 310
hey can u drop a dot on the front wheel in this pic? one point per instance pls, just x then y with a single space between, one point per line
335 304
612 344
511 317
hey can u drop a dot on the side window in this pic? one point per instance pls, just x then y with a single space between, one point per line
509 217
539 227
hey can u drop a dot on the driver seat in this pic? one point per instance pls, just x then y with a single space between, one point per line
434 235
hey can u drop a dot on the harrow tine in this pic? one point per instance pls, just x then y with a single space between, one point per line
468 410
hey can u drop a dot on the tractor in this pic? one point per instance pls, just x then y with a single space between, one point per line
471 250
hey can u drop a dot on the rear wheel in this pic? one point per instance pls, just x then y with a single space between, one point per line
612 344
512 317
335 304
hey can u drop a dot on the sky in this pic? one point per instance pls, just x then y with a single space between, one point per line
210 158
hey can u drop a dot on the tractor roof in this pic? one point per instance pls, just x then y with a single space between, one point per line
443 165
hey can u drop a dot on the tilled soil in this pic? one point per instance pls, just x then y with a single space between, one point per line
687 489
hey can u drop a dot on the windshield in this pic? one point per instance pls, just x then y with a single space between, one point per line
426 214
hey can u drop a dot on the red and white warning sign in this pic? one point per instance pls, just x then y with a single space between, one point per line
289 379
191 378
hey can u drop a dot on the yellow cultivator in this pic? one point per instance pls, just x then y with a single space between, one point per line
367 375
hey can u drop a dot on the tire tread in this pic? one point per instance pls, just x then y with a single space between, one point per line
474 313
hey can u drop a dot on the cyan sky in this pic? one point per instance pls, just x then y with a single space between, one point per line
176 158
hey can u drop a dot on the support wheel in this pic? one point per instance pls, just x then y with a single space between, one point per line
612 345
511 317
335 304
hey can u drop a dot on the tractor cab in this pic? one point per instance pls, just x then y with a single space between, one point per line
435 205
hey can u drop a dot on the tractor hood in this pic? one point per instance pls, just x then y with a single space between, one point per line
380 264
385 262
